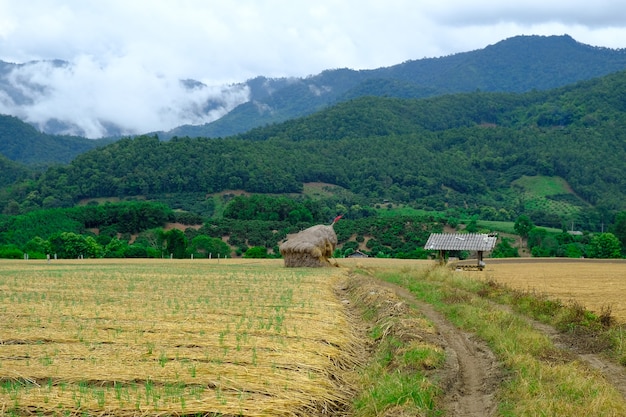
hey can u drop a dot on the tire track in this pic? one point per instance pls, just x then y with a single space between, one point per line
471 375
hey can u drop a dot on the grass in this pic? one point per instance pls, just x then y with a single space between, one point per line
548 194
395 380
542 380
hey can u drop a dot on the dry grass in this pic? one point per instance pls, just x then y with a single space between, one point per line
595 284
172 337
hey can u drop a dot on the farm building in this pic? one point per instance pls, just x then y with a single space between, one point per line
473 242
357 254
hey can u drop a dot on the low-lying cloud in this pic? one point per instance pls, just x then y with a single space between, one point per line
92 99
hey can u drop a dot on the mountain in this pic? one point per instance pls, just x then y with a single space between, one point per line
11 172
519 64
23 143
524 63
464 151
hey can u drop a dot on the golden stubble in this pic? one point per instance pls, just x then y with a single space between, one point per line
138 337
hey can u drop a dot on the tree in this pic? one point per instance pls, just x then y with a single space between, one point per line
69 245
619 228
504 249
205 246
523 225
115 248
256 252
37 247
175 243
605 246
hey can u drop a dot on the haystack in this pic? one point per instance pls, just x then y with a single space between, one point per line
311 247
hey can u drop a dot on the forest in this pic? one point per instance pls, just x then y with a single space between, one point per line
471 156
460 150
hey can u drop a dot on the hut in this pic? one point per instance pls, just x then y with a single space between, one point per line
358 254
476 242
312 247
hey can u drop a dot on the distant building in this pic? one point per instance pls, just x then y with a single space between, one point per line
357 254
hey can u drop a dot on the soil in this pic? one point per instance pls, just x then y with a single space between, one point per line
472 373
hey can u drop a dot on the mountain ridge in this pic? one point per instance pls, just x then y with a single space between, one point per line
451 152
517 64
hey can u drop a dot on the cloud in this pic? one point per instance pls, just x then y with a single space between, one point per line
128 56
88 97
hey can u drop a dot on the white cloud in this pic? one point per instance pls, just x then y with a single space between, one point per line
128 55
121 92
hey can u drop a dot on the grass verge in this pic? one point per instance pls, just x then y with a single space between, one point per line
542 379
403 354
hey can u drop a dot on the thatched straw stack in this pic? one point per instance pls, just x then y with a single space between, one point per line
311 247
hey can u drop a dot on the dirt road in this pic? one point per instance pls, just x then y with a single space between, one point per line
472 373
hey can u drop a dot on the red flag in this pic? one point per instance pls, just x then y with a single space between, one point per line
337 218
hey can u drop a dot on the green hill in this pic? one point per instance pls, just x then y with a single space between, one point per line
23 143
469 152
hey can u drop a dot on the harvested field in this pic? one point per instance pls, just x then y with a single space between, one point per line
171 337
595 284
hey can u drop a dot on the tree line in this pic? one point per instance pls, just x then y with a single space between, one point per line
138 230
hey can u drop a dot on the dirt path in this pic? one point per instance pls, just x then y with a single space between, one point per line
471 375
472 368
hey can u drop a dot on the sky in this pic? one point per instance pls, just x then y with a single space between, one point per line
128 56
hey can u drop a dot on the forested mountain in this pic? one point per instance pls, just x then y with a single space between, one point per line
11 172
23 143
460 151
519 64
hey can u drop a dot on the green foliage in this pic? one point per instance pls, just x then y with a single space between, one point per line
523 225
256 252
20 141
619 229
504 249
68 245
604 245
270 208
486 154
175 244
203 246
518 64
130 217
10 252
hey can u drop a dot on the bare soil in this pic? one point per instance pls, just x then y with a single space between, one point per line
471 374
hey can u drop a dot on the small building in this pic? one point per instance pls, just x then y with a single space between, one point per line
357 254
474 242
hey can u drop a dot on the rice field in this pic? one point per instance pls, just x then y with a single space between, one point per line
594 283
172 337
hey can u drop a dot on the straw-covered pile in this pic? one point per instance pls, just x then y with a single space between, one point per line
311 247
190 337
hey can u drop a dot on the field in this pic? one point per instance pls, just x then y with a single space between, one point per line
596 284
171 337
548 194
227 337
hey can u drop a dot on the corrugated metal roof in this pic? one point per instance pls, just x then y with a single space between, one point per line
460 241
